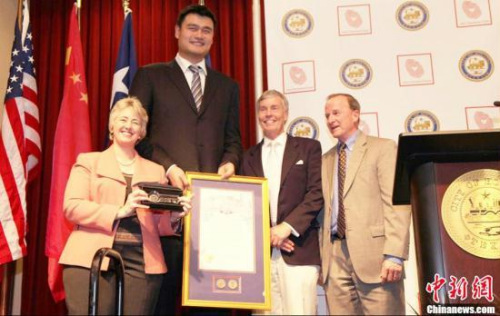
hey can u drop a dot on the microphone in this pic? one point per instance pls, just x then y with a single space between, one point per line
496 103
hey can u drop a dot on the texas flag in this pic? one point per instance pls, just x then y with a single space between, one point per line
126 63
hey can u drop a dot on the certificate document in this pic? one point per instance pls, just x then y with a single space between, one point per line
227 220
227 243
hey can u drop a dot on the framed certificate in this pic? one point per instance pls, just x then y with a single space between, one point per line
227 243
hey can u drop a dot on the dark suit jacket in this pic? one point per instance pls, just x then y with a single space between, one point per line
177 133
300 198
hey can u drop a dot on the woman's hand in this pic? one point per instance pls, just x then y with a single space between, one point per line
133 201
185 201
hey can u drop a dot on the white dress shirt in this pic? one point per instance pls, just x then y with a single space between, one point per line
184 64
272 171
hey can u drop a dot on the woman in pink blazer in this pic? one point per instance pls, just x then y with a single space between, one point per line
103 202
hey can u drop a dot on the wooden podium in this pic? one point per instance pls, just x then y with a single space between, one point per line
428 164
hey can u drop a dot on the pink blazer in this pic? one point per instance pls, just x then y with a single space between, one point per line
95 192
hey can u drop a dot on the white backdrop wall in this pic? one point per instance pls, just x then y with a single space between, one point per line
411 70
413 65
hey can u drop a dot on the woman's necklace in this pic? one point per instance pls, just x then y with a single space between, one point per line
126 164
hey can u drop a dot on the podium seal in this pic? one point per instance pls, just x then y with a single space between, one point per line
471 212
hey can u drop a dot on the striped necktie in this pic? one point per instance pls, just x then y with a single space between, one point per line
196 85
341 225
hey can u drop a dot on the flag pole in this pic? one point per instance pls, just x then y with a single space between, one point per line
19 13
201 2
7 287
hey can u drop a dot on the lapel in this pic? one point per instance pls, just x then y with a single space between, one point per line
289 157
176 75
255 160
208 91
327 181
141 172
328 167
107 166
355 161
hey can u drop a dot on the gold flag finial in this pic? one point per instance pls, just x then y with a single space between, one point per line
78 13
19 13
126 6
201 2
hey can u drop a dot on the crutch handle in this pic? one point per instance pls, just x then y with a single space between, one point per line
117 260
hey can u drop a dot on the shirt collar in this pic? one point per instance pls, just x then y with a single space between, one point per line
184 64
351 140
281 139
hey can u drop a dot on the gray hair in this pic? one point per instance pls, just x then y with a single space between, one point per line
272 94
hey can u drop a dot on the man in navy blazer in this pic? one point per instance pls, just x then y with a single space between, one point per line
185 135
293 168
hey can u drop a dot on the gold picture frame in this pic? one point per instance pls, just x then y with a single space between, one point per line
227 243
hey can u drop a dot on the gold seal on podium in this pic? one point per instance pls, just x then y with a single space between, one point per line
471 212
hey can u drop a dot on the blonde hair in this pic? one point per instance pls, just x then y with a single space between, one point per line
129 102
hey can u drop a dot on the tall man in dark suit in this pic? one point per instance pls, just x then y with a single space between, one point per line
194 120
293 168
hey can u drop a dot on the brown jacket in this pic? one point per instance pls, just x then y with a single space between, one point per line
374 226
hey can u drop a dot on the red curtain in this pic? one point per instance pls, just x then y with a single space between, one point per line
101 23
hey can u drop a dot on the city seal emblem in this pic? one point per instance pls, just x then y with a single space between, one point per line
471 212
355 73
297 23
412 15
476 65
421 121
304 127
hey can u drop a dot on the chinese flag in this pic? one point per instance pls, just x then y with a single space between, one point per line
72 137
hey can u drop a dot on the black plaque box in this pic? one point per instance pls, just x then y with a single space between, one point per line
161 196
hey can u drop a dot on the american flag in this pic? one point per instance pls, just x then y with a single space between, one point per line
20 148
